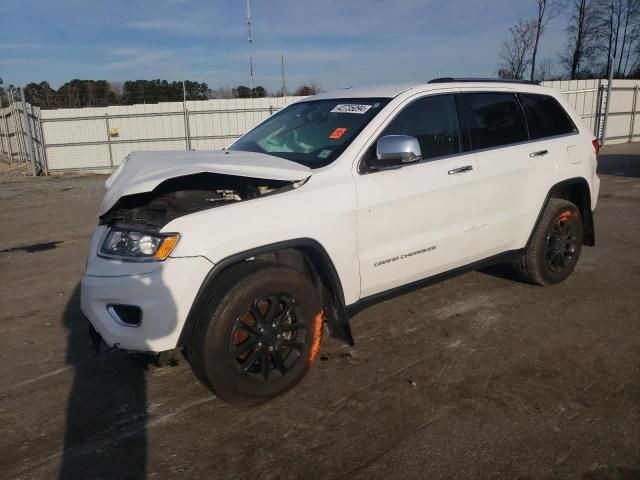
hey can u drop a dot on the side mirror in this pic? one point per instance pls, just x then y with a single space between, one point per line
394 151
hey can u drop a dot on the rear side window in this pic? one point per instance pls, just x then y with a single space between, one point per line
433 120
494 119
546 117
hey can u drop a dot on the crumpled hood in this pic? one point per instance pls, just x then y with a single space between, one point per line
143 171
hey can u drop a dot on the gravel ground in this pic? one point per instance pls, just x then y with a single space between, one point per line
477 377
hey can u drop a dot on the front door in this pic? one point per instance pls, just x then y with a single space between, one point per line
417 221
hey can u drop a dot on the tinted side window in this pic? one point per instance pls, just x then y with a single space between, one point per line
495 119
433 121
546 116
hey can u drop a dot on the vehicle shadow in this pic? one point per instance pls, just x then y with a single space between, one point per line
505 271
619 165
105 433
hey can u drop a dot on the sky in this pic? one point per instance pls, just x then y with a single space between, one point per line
336 43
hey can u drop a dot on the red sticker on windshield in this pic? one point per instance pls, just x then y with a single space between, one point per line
337 133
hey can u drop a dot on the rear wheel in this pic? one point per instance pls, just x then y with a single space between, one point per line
257 334
555 246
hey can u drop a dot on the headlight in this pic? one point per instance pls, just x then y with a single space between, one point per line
138 246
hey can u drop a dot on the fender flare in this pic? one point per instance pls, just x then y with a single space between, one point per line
337 318
587 213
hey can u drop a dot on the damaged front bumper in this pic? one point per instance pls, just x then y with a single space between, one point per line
164 297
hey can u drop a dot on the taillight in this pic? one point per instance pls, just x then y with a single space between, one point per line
596 145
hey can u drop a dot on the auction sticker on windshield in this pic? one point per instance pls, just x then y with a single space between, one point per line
337 133
351 108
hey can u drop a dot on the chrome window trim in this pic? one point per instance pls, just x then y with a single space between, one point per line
515 144
420 96
361 171
470 152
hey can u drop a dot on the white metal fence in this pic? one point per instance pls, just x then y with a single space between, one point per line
98 139
589 98
21 138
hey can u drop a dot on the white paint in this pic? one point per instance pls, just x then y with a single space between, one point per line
143 171
358 219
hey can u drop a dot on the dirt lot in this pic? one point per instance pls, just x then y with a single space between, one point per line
477 377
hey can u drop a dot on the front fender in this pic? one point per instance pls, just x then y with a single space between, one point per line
322 211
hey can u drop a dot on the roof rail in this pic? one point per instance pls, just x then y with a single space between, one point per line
492 80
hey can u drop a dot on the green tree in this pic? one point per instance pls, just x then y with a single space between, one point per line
241 91
155 91
259 92
304 90
41 95
84 93
195 90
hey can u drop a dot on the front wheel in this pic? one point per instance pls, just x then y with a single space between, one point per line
257 333
555 245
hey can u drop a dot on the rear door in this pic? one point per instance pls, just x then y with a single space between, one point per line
416 221
550 124
511 168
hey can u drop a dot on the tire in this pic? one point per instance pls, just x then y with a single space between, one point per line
555 245
244 346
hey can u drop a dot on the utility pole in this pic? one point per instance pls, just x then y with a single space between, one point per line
250 41
606 106
284 83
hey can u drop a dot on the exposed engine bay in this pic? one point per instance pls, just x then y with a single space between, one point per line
181 196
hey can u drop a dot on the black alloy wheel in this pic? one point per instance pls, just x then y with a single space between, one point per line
562 241
555 245
256 332
268 338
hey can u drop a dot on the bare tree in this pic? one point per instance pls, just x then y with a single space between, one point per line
515 51
582 37
634 69
221 92
631 14
545 70
609 20
633 50
117 88
618 28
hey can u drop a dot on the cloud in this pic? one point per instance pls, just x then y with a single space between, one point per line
137 58
335 42
167 26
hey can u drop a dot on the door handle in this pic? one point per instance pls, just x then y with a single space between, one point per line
539 153
466 168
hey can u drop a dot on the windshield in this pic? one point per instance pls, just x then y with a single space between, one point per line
312 133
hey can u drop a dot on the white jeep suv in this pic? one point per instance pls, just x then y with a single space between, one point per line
238 257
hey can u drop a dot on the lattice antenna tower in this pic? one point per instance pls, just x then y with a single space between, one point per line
250 41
